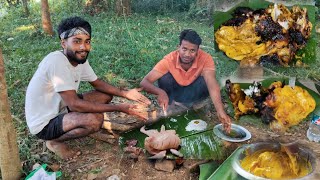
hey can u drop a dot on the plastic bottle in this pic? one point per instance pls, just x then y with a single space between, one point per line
313 132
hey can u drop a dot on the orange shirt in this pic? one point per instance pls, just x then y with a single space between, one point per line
170 63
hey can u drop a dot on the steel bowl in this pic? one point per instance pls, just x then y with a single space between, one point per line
251 148
237 133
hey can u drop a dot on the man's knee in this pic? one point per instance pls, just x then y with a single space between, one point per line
105 98
108 98
95 122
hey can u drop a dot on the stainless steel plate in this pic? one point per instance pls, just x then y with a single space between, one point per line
237 134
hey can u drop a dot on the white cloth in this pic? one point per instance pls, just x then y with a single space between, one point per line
54 74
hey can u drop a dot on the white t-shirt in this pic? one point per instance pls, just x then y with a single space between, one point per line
54 74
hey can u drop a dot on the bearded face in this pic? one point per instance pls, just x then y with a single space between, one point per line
79 57
77 48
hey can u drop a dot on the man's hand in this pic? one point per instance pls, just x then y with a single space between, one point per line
163 101
225 120
135 109
134 94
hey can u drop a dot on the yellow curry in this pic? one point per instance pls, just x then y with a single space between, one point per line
276 164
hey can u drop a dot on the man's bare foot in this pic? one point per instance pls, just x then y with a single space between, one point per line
62 150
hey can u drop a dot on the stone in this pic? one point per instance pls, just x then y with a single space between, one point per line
114 177
165 165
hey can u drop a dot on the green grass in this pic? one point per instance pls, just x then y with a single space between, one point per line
124 50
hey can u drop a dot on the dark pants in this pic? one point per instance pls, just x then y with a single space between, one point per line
192 93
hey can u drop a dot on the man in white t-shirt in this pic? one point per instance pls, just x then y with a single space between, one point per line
54 110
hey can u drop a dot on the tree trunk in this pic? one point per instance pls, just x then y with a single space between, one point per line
123 7
9 153
46 21
25 7
96 6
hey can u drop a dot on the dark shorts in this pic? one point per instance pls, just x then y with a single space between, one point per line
192 93
54 128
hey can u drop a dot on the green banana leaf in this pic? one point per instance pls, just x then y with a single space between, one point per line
308 53
204 145
207 169
177 123
223 172
194 144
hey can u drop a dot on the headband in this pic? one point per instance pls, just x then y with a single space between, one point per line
73 32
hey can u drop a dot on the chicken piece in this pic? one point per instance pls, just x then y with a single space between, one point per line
242 103
235 95
268 29
247 106
276 84
291 106
302 23
240 42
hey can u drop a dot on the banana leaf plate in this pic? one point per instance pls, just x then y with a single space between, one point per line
195 144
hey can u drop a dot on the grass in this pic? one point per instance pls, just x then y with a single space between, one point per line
124 49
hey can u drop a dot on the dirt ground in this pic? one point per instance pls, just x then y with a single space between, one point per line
101 160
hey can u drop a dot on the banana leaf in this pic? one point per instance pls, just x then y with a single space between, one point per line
207 169
223 172
308 53
177 123
194 144
204 145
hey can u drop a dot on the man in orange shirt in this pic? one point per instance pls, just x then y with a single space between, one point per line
186 75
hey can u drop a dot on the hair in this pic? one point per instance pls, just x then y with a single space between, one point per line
191 36
73 22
